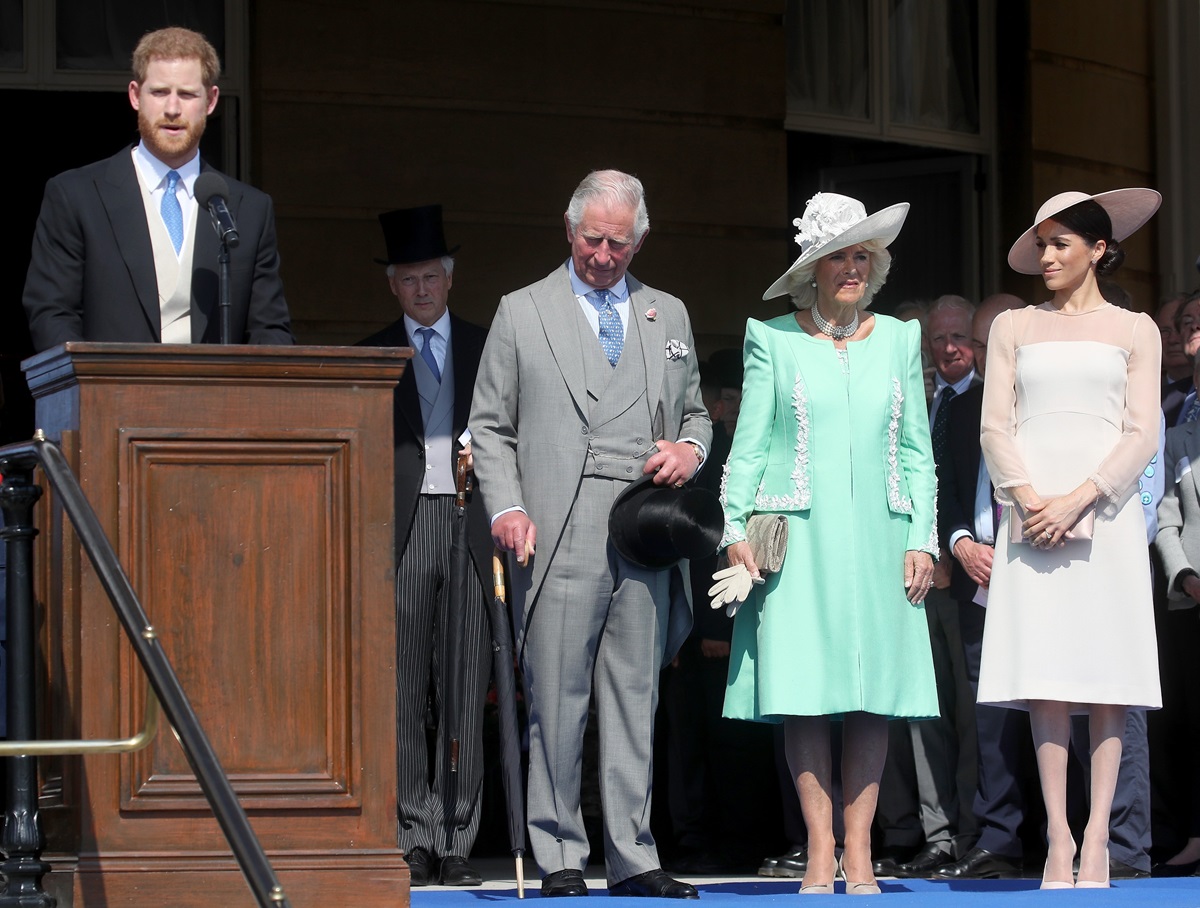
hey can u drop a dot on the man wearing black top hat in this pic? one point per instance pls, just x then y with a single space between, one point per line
438 815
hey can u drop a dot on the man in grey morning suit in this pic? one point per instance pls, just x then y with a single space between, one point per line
589 380
438 815
121 251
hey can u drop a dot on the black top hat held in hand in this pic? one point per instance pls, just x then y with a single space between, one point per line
655 526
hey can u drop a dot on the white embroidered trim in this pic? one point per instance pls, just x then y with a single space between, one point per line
901 504
730 535
801 497
933 546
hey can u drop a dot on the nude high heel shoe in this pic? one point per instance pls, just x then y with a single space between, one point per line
871 888
1056 884
1096 884
821 888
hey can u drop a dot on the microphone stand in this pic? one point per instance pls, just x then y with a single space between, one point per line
223 292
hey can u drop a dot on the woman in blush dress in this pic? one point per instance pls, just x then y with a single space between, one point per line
833 434
1070 420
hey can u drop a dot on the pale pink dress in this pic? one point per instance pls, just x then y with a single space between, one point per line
1070 397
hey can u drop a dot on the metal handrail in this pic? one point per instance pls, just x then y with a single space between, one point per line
36 748
18 460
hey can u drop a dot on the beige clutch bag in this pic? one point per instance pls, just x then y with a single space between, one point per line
767 535
1083 529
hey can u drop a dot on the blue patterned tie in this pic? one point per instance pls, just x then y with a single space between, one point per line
427 352
612 335
172 212
1193 411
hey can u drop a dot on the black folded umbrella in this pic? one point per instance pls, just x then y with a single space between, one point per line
510 732
461 573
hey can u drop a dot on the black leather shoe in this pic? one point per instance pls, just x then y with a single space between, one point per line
980 864
655 884
455 871
563 883
420 866
1174 870
791 864
887 860
924 863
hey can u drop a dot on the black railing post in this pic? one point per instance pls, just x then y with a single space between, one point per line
21 840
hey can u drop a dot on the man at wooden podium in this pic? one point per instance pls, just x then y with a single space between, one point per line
438 812
122 250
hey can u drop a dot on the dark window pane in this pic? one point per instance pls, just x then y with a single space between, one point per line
828 47
12 34
935 64
101 34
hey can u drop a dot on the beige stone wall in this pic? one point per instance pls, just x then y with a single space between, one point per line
497 109
1092 117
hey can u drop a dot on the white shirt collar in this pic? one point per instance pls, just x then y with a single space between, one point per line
441 327
154 172
619 290
959 386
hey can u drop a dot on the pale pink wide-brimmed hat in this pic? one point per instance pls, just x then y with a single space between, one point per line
1128 209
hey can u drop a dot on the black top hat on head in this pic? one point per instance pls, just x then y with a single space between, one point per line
414 235
654 526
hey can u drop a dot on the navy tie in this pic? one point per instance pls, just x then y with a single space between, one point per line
172 212
427 351
612 335
941 424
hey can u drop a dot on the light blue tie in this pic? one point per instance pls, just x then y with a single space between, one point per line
612 335
1193 411
172 211
427 352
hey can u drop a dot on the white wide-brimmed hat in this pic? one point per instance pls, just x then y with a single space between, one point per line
832 222
1128 209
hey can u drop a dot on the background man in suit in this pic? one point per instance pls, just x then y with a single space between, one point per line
438 814
943 748
588 380
967 525
121 251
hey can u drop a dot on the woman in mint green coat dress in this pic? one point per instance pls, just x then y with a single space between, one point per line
833 433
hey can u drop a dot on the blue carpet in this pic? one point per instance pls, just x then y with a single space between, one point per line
1184 893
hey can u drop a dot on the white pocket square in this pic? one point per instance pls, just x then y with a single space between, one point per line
676 349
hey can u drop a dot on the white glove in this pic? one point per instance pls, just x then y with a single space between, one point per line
732 587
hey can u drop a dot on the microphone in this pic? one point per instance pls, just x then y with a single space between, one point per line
211 192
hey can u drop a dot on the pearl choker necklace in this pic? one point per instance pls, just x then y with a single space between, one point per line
837 332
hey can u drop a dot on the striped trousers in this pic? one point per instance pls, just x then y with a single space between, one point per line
437 810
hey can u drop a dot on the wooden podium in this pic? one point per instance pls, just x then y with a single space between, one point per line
248 493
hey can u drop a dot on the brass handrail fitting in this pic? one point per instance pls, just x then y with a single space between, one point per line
98 746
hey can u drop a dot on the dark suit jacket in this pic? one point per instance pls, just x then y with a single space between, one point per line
956 481
92 272
466 344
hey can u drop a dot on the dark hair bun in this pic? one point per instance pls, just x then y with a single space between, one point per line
1113 256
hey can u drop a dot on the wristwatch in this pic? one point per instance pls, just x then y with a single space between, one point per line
699 454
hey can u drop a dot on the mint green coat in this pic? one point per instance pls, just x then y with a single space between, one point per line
847 457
